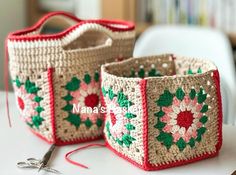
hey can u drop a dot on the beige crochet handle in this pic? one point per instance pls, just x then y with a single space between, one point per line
88 35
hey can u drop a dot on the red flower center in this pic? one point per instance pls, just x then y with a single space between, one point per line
185 119
91 100
21 103
113 118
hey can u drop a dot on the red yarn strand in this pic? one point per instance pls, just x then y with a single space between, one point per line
67 156
6 77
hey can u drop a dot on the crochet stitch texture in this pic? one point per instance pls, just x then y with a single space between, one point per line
178 111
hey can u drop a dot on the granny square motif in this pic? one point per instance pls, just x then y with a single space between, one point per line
162 111
55 74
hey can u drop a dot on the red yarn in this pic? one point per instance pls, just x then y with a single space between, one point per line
21 103
91 100
82 147
6 76
113 118
185 119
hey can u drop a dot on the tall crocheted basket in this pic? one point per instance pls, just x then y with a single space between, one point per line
162 111
55 75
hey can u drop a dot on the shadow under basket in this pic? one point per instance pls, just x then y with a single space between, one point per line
162 111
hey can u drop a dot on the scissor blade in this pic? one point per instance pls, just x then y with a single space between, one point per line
40 167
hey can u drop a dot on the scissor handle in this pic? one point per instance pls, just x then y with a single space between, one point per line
26 165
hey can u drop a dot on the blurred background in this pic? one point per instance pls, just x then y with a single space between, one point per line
217 14
195 28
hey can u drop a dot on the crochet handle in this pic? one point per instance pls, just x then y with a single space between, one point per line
88 34
66 20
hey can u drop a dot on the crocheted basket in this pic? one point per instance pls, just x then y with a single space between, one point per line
162 111
54 75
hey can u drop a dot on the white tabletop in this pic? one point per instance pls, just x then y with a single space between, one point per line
18 143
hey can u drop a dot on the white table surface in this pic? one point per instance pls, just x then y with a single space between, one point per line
17 144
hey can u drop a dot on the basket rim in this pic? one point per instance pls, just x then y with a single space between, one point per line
109 24
104 68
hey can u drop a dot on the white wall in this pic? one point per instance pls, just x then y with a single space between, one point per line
12 17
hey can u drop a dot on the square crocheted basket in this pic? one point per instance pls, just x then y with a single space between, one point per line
162 111
55 75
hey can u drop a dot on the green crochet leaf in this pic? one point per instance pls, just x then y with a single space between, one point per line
125 103
180 94
74 119
152 73
30 87
159 114
88 123
119 142
165 138
191 142
181 144
87 78
165 99
73 85
108 129
132 73
129 126
201 97
199 71
38 99
68 97
127 139
99 122
204 119
104 92
192 94
96 76
141 73
111 93
37 121
160 125
200 132
204 109
190 72
39 109
68 107
121 97
129 115
17 81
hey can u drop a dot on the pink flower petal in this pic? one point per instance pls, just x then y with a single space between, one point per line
167 109
187 137
194 134
75 93
176 136
176 102
198 107
167 128
194 101
187 100
165 118
199 124
83 86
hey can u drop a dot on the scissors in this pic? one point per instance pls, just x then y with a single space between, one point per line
40 164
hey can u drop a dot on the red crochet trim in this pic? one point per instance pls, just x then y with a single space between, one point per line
216 78
52 111
56 140
17 36
143 84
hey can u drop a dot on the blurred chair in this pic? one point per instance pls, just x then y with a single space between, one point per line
196 42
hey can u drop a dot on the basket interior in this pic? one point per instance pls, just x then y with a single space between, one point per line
159 66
